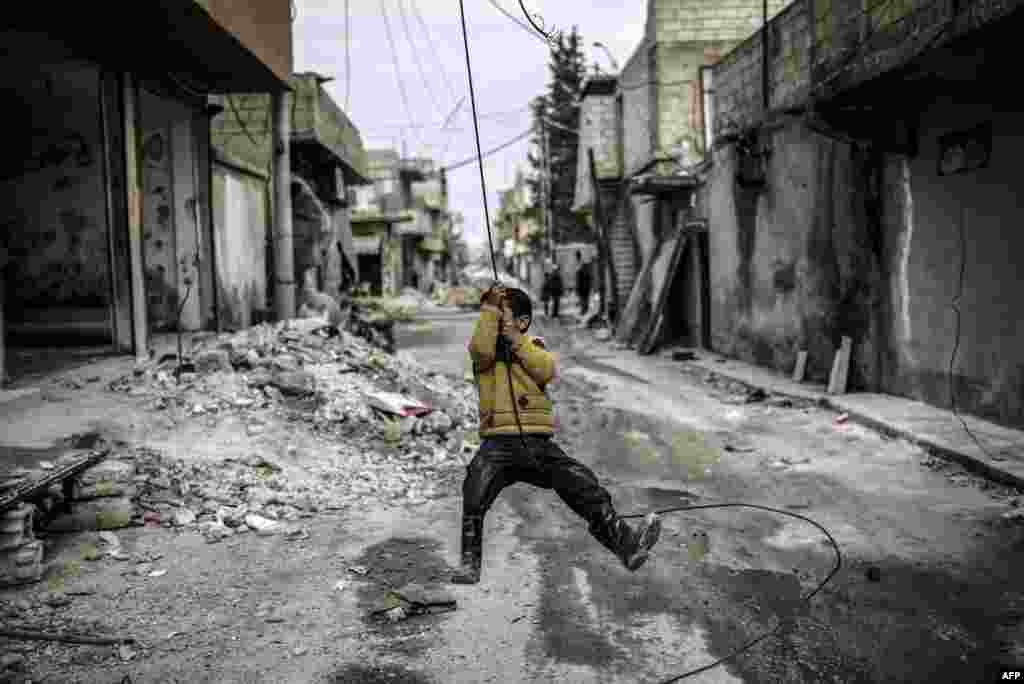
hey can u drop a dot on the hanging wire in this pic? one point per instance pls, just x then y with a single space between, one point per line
416 58
433 49
398 71
476 131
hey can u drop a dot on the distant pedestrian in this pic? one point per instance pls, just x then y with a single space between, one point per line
556 288
583 283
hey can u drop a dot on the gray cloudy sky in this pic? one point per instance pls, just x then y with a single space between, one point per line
509 68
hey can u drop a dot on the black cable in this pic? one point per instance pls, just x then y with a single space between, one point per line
803 599
547 36
516 20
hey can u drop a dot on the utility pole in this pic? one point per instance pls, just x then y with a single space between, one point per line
284 256
546 185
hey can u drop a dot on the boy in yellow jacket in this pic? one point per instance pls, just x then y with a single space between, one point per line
504 359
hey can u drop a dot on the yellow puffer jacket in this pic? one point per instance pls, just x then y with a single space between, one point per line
534 369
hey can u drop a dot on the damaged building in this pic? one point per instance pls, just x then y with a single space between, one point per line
327 162
108 225
862 187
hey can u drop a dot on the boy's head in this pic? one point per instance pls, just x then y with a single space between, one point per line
517 305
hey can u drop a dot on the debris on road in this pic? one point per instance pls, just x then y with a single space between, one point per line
842 418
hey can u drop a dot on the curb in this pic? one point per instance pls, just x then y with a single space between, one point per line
969 462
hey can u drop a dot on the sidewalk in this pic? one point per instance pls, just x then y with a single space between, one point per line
933 428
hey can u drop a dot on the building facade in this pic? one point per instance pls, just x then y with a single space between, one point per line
863 186
108 218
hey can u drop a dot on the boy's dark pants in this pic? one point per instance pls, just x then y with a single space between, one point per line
504 460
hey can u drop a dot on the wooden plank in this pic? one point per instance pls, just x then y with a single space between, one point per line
651 339
840 368
801 366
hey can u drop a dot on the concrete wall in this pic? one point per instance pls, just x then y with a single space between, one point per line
170 191
599 130
240 222
925 214
52 197
793 267
808 261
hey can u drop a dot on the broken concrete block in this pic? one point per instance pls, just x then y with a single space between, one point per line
16 527
98 514
184 517
110 470
104 489
261 525
23 565
213 360
294 383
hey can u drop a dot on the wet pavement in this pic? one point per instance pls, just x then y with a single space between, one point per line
929 589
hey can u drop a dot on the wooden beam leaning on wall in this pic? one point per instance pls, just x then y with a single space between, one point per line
801 366
840 368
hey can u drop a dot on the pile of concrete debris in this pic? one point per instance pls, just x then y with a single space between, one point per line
386 424
384 427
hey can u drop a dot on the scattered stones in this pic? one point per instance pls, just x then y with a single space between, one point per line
212 361
184 517
261 525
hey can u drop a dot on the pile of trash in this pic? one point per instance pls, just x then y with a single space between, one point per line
462 297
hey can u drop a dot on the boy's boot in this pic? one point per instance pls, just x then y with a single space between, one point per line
472 550
631 545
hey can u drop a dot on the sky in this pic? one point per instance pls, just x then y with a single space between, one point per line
509 64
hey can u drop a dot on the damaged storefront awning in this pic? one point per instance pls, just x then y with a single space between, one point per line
209 45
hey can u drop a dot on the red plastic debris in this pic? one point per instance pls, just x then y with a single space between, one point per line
151 519
842 418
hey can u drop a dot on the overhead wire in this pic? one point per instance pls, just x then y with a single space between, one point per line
433 49
488 153
398 71
516 20
348 54
416 58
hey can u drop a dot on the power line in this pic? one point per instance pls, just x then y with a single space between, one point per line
491 151
518 23
398 71
348 55
416 57
433 49
490 115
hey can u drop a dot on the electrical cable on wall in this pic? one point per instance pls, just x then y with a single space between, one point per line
835 547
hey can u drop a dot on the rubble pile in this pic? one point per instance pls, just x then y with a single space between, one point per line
388 428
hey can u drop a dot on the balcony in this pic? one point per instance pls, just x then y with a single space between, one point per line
319 122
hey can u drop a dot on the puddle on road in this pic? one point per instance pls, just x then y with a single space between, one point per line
649 444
